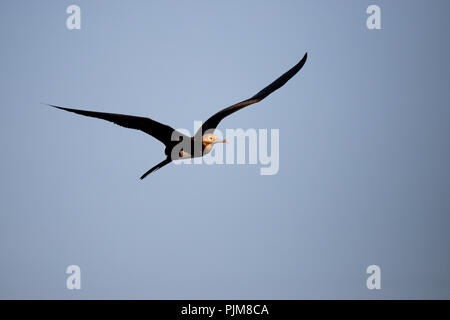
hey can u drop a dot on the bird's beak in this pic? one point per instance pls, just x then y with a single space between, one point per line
221 141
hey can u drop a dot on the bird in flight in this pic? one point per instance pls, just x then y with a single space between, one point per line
178 145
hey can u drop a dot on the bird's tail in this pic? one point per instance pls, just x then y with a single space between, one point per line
158 166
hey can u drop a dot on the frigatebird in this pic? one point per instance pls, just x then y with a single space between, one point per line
178 145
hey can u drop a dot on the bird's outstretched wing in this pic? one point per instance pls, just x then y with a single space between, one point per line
213 121
157 130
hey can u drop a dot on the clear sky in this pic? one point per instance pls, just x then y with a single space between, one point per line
364 152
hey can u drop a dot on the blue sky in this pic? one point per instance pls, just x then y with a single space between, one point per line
364 159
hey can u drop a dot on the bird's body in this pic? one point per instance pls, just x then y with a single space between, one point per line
193 147
178 145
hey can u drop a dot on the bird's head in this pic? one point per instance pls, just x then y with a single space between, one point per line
209 138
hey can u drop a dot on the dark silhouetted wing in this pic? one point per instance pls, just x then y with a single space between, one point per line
212 122
157 130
